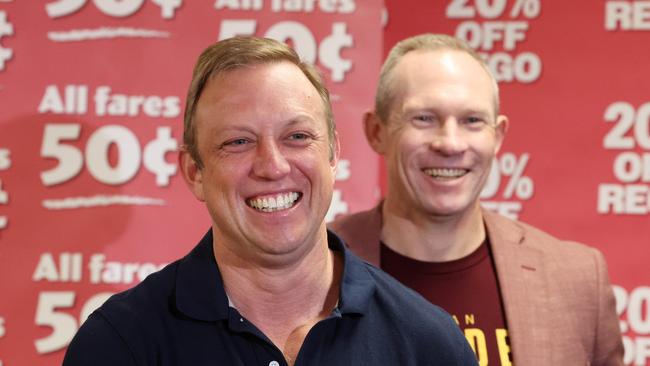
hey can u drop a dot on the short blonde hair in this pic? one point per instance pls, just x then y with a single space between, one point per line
237 52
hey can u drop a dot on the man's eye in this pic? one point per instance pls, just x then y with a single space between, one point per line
474 120
236 142
424 118
298 136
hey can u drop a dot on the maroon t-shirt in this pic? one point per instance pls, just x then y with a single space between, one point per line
467 288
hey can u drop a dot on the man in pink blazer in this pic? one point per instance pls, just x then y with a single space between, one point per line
521 296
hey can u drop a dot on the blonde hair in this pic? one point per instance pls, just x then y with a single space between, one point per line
237 52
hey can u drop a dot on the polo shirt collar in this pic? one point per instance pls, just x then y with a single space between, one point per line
199 288
200 293
357 285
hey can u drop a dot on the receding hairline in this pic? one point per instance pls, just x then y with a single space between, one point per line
439 51
236 53
424 43
313 91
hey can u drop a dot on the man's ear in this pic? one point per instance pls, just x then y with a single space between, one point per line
500 131
376 131
192 174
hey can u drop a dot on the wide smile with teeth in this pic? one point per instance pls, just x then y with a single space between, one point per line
445 173
274 203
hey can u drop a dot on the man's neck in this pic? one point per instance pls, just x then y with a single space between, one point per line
432 238
284 302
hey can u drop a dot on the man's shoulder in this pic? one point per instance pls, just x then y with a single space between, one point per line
118 331
129 310
574 262
161 294
578 303
531 236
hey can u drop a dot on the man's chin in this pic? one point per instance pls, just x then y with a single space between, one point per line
278 242
448 210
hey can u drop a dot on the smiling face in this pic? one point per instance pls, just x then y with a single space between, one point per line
441 134
267 178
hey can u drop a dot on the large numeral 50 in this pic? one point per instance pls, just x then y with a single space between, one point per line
63 325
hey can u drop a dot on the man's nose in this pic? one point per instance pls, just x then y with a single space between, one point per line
270 162
448 138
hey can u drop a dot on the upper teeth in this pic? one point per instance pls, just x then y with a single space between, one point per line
445 172
274 203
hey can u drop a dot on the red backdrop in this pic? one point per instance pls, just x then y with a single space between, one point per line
576 160
91 94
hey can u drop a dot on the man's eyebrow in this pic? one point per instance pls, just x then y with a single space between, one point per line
477 111
415 109
435 109
300 119
233 128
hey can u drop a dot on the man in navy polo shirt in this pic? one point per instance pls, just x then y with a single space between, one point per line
268 284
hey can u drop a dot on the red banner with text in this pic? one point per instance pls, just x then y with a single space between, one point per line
576 160
92 96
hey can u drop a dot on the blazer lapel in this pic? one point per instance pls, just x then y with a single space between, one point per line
524 290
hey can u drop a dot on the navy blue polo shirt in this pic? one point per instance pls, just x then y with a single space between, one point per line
180 316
